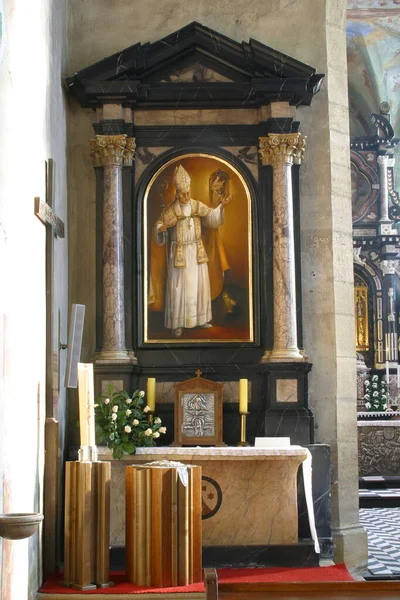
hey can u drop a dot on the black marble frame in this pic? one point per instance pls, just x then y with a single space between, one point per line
225 361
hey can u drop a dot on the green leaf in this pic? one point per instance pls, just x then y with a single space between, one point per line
129 447
118 452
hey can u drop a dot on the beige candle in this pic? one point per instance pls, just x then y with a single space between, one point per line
86 404
151 393
243 395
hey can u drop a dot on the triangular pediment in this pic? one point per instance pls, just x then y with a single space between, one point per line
150 74
194 72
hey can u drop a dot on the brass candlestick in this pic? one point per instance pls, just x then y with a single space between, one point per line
150 416
243 442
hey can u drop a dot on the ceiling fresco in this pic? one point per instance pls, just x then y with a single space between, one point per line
373 61
373 57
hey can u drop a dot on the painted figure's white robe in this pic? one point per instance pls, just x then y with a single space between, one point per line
187 294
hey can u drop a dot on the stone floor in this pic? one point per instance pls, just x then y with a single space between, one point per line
383 528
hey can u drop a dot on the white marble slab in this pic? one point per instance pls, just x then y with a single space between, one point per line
386 423
205 453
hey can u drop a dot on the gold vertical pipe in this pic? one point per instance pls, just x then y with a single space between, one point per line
190 519
148 529
157 527
69 523
196 511
168 558
84 574
140 527
174 527
50 497
129 525
101 541
183 531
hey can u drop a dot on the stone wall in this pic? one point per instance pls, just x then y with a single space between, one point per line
313 32
379 448
33 129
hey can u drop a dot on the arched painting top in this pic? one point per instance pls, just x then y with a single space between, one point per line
198 267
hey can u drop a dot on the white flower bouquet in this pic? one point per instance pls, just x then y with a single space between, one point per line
122 421
376 394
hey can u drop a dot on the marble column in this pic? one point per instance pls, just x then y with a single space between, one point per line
112 152
383 188
281 151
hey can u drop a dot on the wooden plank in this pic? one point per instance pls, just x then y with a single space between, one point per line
174 527
168 558
101 540
196 527
148 533
157 527
363 587
84 575
183 533
48 217
69 524
50 497
140 533
129 522
211 583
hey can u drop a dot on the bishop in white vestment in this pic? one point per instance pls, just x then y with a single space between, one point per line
187 293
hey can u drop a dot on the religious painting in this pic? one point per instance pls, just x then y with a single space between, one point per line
197 253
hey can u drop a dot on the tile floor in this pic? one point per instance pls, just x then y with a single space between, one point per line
383 528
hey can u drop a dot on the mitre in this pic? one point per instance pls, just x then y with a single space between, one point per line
181 179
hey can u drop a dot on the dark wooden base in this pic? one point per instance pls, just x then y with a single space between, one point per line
329 590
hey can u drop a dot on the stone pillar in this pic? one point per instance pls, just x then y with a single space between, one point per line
281 151
112 152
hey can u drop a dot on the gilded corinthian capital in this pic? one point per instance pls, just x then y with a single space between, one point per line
112 150
287 148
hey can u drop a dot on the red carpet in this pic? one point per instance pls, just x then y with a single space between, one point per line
268 575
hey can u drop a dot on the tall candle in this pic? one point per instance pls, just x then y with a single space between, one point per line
398 376
243 395
151 393
387 372
86 404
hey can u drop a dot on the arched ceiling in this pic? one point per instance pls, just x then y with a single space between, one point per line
373 59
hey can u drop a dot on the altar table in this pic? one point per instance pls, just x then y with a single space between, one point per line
249 494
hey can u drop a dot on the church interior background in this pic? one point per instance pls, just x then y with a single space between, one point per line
89 136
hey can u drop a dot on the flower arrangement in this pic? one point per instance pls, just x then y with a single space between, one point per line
122 420
376 395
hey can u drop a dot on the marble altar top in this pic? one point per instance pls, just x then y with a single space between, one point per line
206 453
386 423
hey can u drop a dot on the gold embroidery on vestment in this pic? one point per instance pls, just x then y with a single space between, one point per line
172 219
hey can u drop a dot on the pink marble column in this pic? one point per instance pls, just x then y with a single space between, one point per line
112 152
281 151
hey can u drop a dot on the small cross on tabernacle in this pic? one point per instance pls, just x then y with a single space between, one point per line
198 372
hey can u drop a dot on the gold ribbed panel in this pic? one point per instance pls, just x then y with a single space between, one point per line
87 525
163 526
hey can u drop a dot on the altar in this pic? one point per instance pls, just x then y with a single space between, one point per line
249 494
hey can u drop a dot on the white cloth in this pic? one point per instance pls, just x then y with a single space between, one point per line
307 478
188 295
